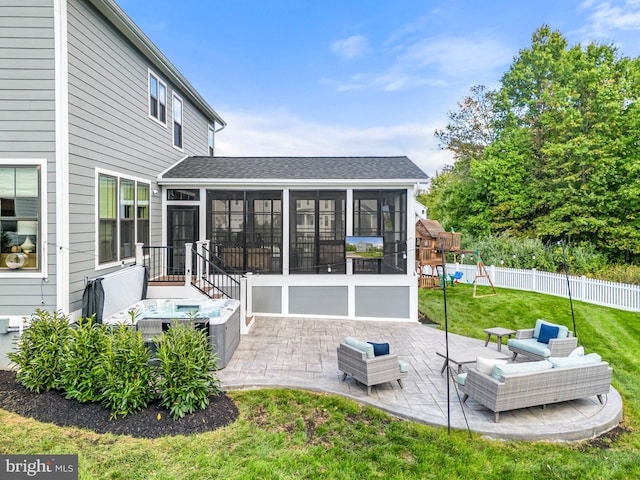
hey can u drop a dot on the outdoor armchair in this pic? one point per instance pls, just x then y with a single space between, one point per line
369 369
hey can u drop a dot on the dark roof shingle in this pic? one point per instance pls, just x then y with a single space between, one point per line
297 168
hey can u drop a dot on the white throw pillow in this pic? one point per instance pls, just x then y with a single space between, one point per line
578 352
485 365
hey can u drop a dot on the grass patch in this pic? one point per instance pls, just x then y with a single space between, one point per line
288 434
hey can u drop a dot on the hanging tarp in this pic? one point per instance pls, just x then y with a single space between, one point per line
93 299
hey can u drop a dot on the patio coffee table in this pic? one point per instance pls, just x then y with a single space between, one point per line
498 332
468 355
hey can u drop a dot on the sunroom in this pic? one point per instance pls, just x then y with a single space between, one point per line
313 236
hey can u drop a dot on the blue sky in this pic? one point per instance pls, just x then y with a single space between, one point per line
356 77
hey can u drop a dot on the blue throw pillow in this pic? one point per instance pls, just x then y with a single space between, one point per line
547 332
380 348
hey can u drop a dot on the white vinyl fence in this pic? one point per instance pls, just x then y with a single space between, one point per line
600 292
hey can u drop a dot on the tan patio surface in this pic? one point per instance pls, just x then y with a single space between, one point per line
301 353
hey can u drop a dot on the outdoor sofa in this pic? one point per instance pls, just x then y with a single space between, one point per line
359 359
520 385
545 340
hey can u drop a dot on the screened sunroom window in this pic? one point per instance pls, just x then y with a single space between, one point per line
317 231
382 213
245 228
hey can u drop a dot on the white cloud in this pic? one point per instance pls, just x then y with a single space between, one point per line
283 134
351 48
457 57
433 62
608 17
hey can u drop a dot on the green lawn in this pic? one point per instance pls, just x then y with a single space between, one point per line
291 434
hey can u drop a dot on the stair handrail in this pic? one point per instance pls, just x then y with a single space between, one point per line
207 270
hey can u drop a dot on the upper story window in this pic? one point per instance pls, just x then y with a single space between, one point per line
177 122
157 99
211 140
20 217
123 217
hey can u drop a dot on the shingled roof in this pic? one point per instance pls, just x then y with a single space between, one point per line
296 168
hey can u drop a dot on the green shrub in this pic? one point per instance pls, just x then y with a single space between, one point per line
620 273
83 364
527 253
41 351
185 375
126 378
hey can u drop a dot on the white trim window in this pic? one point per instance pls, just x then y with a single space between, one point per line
21 213
177 122
123 217
157 99
211 140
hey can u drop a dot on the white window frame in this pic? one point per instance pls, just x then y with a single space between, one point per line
211 140
150 74
174 98
42 241
119 177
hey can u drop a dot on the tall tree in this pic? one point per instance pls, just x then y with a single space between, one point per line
469 131
470 128
562 158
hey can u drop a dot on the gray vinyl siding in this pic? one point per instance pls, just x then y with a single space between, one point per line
27 128
317 300
109 128
383 302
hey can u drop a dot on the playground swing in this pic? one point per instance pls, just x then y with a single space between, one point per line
481 272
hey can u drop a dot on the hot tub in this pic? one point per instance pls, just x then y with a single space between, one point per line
220 317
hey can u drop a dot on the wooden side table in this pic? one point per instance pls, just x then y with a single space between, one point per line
498 332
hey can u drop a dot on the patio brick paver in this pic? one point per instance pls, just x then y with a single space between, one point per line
301 353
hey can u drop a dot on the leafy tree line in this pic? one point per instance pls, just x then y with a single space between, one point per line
553 153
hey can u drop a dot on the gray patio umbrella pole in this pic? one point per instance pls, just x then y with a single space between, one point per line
566 273
446 332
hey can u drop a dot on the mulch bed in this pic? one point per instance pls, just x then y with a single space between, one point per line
53 407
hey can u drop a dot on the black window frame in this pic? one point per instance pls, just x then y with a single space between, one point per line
389 220
314 246
244 237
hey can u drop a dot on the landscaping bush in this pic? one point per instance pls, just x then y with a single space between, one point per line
526 253
126 378
96 363
42 351
83 363
185 375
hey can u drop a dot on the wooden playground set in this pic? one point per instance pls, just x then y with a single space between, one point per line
432 245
